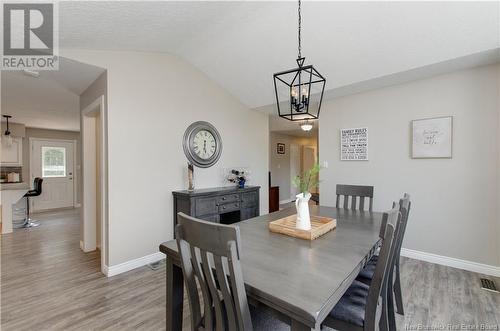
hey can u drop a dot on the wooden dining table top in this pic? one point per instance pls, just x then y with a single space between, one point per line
303 279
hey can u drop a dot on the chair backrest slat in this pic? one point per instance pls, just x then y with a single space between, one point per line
354 199
355 192
391 224
404 208
226 292
210 280
362 203
210 253
195 261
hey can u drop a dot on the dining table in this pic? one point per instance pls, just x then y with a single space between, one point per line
300 279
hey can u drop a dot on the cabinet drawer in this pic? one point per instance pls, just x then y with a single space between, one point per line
249 199
229 207
205 206
228 198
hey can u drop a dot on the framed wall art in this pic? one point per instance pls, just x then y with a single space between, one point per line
280 148
432 138
354 144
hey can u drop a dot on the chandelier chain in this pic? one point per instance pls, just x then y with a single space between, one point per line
300 28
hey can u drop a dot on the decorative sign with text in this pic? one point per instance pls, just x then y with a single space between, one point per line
432 138
354 144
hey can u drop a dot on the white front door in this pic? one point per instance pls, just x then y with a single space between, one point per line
53 161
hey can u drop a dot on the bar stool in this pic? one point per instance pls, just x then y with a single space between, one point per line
36 191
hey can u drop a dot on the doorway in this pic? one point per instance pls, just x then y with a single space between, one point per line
54 161
94 160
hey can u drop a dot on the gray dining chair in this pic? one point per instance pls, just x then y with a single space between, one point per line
210 254
394 284
362 307
354 192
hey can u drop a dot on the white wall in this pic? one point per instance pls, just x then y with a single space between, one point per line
455 209
152 98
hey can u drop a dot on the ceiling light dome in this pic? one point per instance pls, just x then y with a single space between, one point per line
306 126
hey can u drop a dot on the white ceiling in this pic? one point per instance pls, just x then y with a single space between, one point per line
50 101
241 44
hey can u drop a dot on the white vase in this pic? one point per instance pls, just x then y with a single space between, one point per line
302 205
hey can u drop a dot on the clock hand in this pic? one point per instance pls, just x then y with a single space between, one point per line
205 146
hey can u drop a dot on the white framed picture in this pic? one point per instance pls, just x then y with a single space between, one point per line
432 138
354 144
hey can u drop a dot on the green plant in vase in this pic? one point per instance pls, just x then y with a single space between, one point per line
305 182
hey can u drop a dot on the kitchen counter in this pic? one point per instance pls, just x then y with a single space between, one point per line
10 193
14 186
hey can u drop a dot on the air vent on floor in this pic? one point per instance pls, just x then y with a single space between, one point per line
488 285
156 265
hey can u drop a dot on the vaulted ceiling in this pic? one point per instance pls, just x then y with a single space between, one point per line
241 44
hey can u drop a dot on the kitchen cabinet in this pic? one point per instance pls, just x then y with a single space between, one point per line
12 156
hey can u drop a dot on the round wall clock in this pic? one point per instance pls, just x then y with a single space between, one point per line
202 144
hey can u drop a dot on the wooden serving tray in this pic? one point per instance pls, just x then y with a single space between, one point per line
319 226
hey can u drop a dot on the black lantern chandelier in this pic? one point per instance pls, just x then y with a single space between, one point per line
299 92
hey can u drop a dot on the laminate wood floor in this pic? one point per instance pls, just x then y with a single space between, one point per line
48 283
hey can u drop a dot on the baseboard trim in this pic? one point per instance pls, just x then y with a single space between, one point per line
85 249
133 264
286 201
481 268
77 205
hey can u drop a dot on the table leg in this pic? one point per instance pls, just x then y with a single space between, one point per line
175 296
299 326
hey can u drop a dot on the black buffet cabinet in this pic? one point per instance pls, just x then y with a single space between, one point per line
224 205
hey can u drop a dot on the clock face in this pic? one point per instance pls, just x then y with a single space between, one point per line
204 144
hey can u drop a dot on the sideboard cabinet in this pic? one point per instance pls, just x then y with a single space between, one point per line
224 205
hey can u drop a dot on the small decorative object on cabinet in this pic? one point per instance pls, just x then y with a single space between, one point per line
190 177
224 205
432 138
238 177
305 183
202 144
280 148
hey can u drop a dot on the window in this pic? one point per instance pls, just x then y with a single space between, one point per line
53 161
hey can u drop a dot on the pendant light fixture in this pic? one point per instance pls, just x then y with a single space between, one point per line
299 91
7 137
306 125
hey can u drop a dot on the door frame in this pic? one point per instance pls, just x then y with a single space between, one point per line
75 175
89 240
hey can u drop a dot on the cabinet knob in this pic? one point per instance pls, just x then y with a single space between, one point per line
224 198
224 207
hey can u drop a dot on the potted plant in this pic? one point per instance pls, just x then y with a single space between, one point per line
237 177
305 182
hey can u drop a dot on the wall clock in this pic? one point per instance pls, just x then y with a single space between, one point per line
202 144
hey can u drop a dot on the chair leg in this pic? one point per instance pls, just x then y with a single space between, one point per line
29 223
397 292
391 317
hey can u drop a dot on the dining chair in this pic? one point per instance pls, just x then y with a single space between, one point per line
362 307
354 192
210 254
394 284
